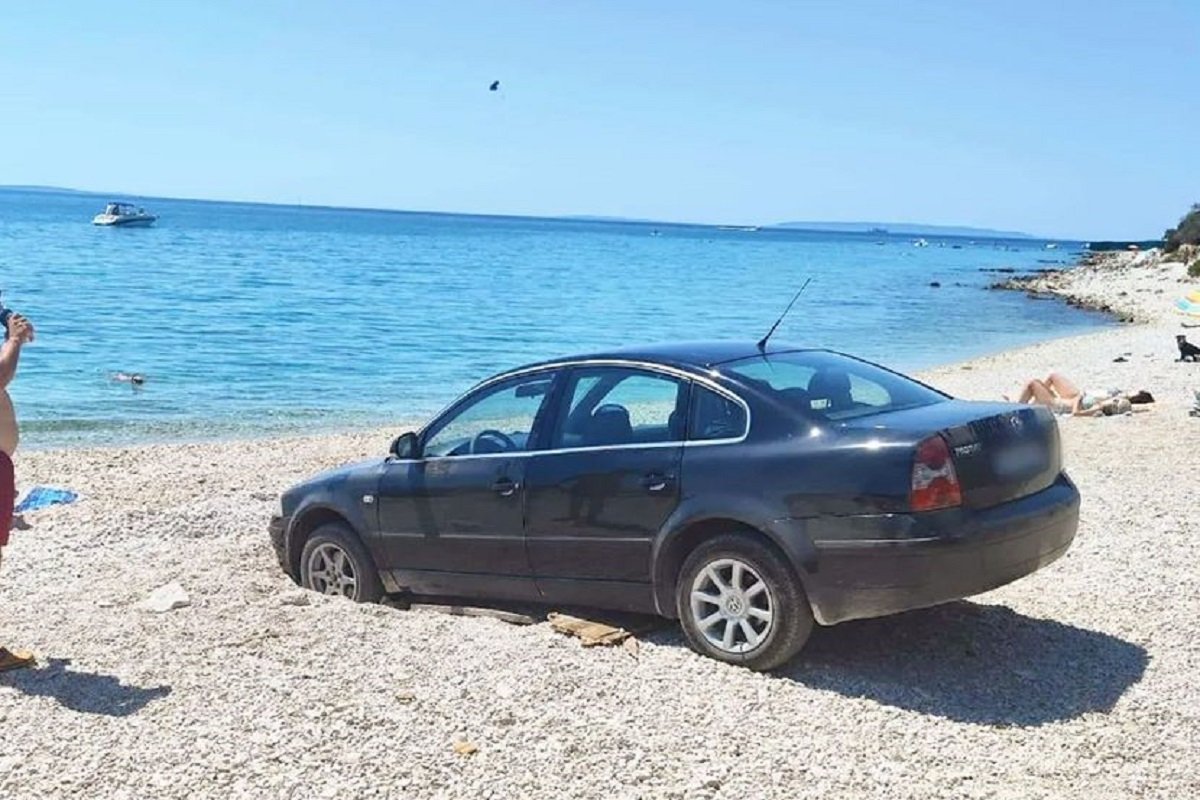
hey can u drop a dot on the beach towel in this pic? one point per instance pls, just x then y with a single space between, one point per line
44 496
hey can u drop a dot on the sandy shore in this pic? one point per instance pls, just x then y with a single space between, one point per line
1081 680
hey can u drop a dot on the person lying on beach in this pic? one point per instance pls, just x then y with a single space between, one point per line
19 332
1062 396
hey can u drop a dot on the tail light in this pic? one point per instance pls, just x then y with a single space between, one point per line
934 481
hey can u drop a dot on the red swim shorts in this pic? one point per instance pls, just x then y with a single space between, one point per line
8 496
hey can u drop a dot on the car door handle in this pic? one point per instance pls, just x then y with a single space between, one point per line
656 482
505 487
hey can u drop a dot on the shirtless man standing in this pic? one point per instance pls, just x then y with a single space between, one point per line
19 332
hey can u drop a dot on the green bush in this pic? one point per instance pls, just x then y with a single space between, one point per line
1186 232
1194 268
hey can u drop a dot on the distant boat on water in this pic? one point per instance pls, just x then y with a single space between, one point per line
920 243
124 215
746 228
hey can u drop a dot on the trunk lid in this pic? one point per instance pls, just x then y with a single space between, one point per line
1001 451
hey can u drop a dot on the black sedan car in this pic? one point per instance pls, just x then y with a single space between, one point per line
748 493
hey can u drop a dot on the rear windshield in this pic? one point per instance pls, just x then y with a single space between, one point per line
829 386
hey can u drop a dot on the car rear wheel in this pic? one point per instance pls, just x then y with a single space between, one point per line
738 602
335 562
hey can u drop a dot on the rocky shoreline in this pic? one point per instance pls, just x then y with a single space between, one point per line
1134 286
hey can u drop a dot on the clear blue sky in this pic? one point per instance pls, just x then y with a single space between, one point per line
1071 119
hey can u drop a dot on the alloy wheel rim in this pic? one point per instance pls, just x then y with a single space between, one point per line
732 606
330 571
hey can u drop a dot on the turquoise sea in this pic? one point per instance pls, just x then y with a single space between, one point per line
254 319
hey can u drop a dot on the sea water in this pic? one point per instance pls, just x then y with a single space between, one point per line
257 319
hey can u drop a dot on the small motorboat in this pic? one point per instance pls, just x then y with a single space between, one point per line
124 215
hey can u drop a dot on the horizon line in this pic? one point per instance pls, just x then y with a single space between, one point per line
785 225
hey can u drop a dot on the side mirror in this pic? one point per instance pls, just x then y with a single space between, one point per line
404 446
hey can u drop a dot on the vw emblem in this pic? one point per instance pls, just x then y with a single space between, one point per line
1016 423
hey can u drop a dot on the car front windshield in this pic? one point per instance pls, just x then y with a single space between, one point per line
830 386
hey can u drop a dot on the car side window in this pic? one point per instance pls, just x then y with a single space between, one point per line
715 416
500 420
609 406
580 389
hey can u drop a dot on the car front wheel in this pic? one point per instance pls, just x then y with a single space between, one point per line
335 562
738 602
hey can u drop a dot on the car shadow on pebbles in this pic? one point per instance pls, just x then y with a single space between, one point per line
85 692
974 663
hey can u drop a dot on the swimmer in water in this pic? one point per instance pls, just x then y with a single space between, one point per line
134 378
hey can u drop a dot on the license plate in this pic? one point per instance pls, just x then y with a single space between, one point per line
1020 460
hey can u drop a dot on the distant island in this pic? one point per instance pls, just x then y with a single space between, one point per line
44 189
879 228
904 229
601 218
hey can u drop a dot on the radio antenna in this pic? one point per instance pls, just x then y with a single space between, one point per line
762 343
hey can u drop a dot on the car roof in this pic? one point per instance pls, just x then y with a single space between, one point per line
694 355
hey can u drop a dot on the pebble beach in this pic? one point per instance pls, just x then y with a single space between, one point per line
1081 680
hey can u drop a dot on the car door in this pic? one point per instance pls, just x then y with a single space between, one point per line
451 520
607 480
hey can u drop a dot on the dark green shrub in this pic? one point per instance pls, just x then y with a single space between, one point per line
1194 268
1186 232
